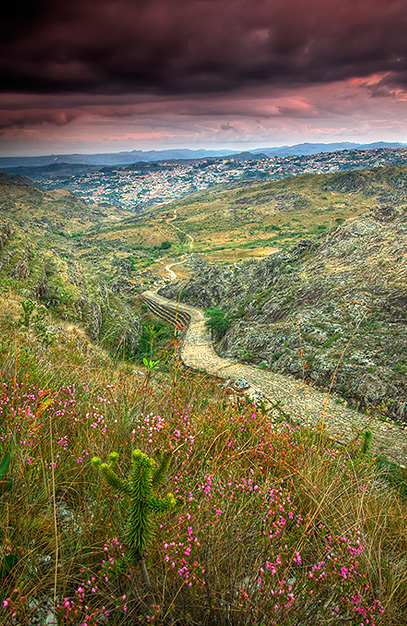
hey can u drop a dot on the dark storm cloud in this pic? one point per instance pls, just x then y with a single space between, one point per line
27 118
197 46
389 85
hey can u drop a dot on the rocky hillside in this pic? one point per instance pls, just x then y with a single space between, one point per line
44 259
314 295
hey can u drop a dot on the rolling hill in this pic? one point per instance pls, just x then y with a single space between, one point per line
240 220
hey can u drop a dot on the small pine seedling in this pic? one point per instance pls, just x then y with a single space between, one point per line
144 478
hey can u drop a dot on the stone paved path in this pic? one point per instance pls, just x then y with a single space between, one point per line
305 404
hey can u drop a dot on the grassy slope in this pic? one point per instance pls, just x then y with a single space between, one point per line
268 507
42 259
63 223
51 212
276 213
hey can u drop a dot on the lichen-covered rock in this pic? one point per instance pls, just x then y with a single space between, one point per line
6 231
5 261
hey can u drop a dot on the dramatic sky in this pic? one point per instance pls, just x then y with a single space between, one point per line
108 75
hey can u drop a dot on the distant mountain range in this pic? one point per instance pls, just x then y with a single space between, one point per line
110 158
137 156
305 149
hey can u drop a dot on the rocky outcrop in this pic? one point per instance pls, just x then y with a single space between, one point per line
296 311
6 231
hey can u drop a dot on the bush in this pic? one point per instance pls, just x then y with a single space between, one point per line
218 322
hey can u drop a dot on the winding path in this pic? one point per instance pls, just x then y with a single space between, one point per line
171 273
190 237
304 404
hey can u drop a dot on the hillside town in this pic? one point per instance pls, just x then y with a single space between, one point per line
138 186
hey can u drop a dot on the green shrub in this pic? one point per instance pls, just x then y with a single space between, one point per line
218 322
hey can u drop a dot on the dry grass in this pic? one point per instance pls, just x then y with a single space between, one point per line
266 509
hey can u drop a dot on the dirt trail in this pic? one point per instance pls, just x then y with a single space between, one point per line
172 274
305 404
190 237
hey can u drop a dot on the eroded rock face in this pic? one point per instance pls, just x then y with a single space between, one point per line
313 298
383 213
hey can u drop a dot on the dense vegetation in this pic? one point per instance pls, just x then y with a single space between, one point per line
217 322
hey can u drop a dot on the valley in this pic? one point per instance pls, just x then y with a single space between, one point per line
300 255
308 276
